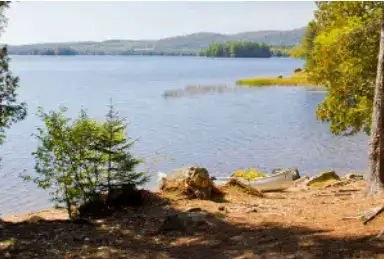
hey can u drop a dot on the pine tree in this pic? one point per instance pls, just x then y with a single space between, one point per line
119 162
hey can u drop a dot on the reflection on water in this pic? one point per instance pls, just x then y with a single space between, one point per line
266 127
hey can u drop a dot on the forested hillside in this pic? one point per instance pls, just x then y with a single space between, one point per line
180 45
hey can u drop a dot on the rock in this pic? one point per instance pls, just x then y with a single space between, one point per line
221 208
194 210
301 181
354 176
323 179
193 181
184 221
246 188
35 219
292 171
238 238
337 184
297 70
199 183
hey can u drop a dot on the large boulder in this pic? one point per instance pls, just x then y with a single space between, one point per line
194 181
294 172
323 179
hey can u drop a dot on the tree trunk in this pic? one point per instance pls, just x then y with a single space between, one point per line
376 157
68 203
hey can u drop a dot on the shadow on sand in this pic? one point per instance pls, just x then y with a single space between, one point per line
132 233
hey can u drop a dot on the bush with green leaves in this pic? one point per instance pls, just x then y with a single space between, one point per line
82 159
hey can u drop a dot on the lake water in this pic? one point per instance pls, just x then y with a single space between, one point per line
260 127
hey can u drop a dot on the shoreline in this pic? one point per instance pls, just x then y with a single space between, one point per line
62 214
297 223
53 213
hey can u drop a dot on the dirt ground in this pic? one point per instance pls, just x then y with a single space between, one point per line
291 224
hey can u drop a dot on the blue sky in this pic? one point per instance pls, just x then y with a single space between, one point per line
37 22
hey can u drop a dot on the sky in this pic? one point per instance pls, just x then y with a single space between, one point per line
38 22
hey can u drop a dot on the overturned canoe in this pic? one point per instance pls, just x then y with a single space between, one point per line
276 182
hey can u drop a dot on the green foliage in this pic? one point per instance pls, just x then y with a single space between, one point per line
340 48
305 49
282 51
238 49
82 159
249 174
10 111
119 161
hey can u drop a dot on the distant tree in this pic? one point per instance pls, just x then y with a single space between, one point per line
10 111
238 49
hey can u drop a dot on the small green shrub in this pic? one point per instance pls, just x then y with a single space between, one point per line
83 159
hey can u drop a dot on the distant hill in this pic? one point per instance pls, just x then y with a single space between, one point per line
187 44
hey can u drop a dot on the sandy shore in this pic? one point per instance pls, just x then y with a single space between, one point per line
292 224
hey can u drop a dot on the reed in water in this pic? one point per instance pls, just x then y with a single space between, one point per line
197 89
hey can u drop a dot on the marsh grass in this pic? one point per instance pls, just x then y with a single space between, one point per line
297 79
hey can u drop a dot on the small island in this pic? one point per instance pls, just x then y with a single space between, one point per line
238 49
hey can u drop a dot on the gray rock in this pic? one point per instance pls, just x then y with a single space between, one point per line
354 176
184 221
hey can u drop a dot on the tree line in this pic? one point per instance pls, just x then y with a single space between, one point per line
244 49
67 51
233 49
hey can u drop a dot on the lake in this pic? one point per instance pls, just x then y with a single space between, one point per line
264 128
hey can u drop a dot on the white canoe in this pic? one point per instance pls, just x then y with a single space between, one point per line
275 182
